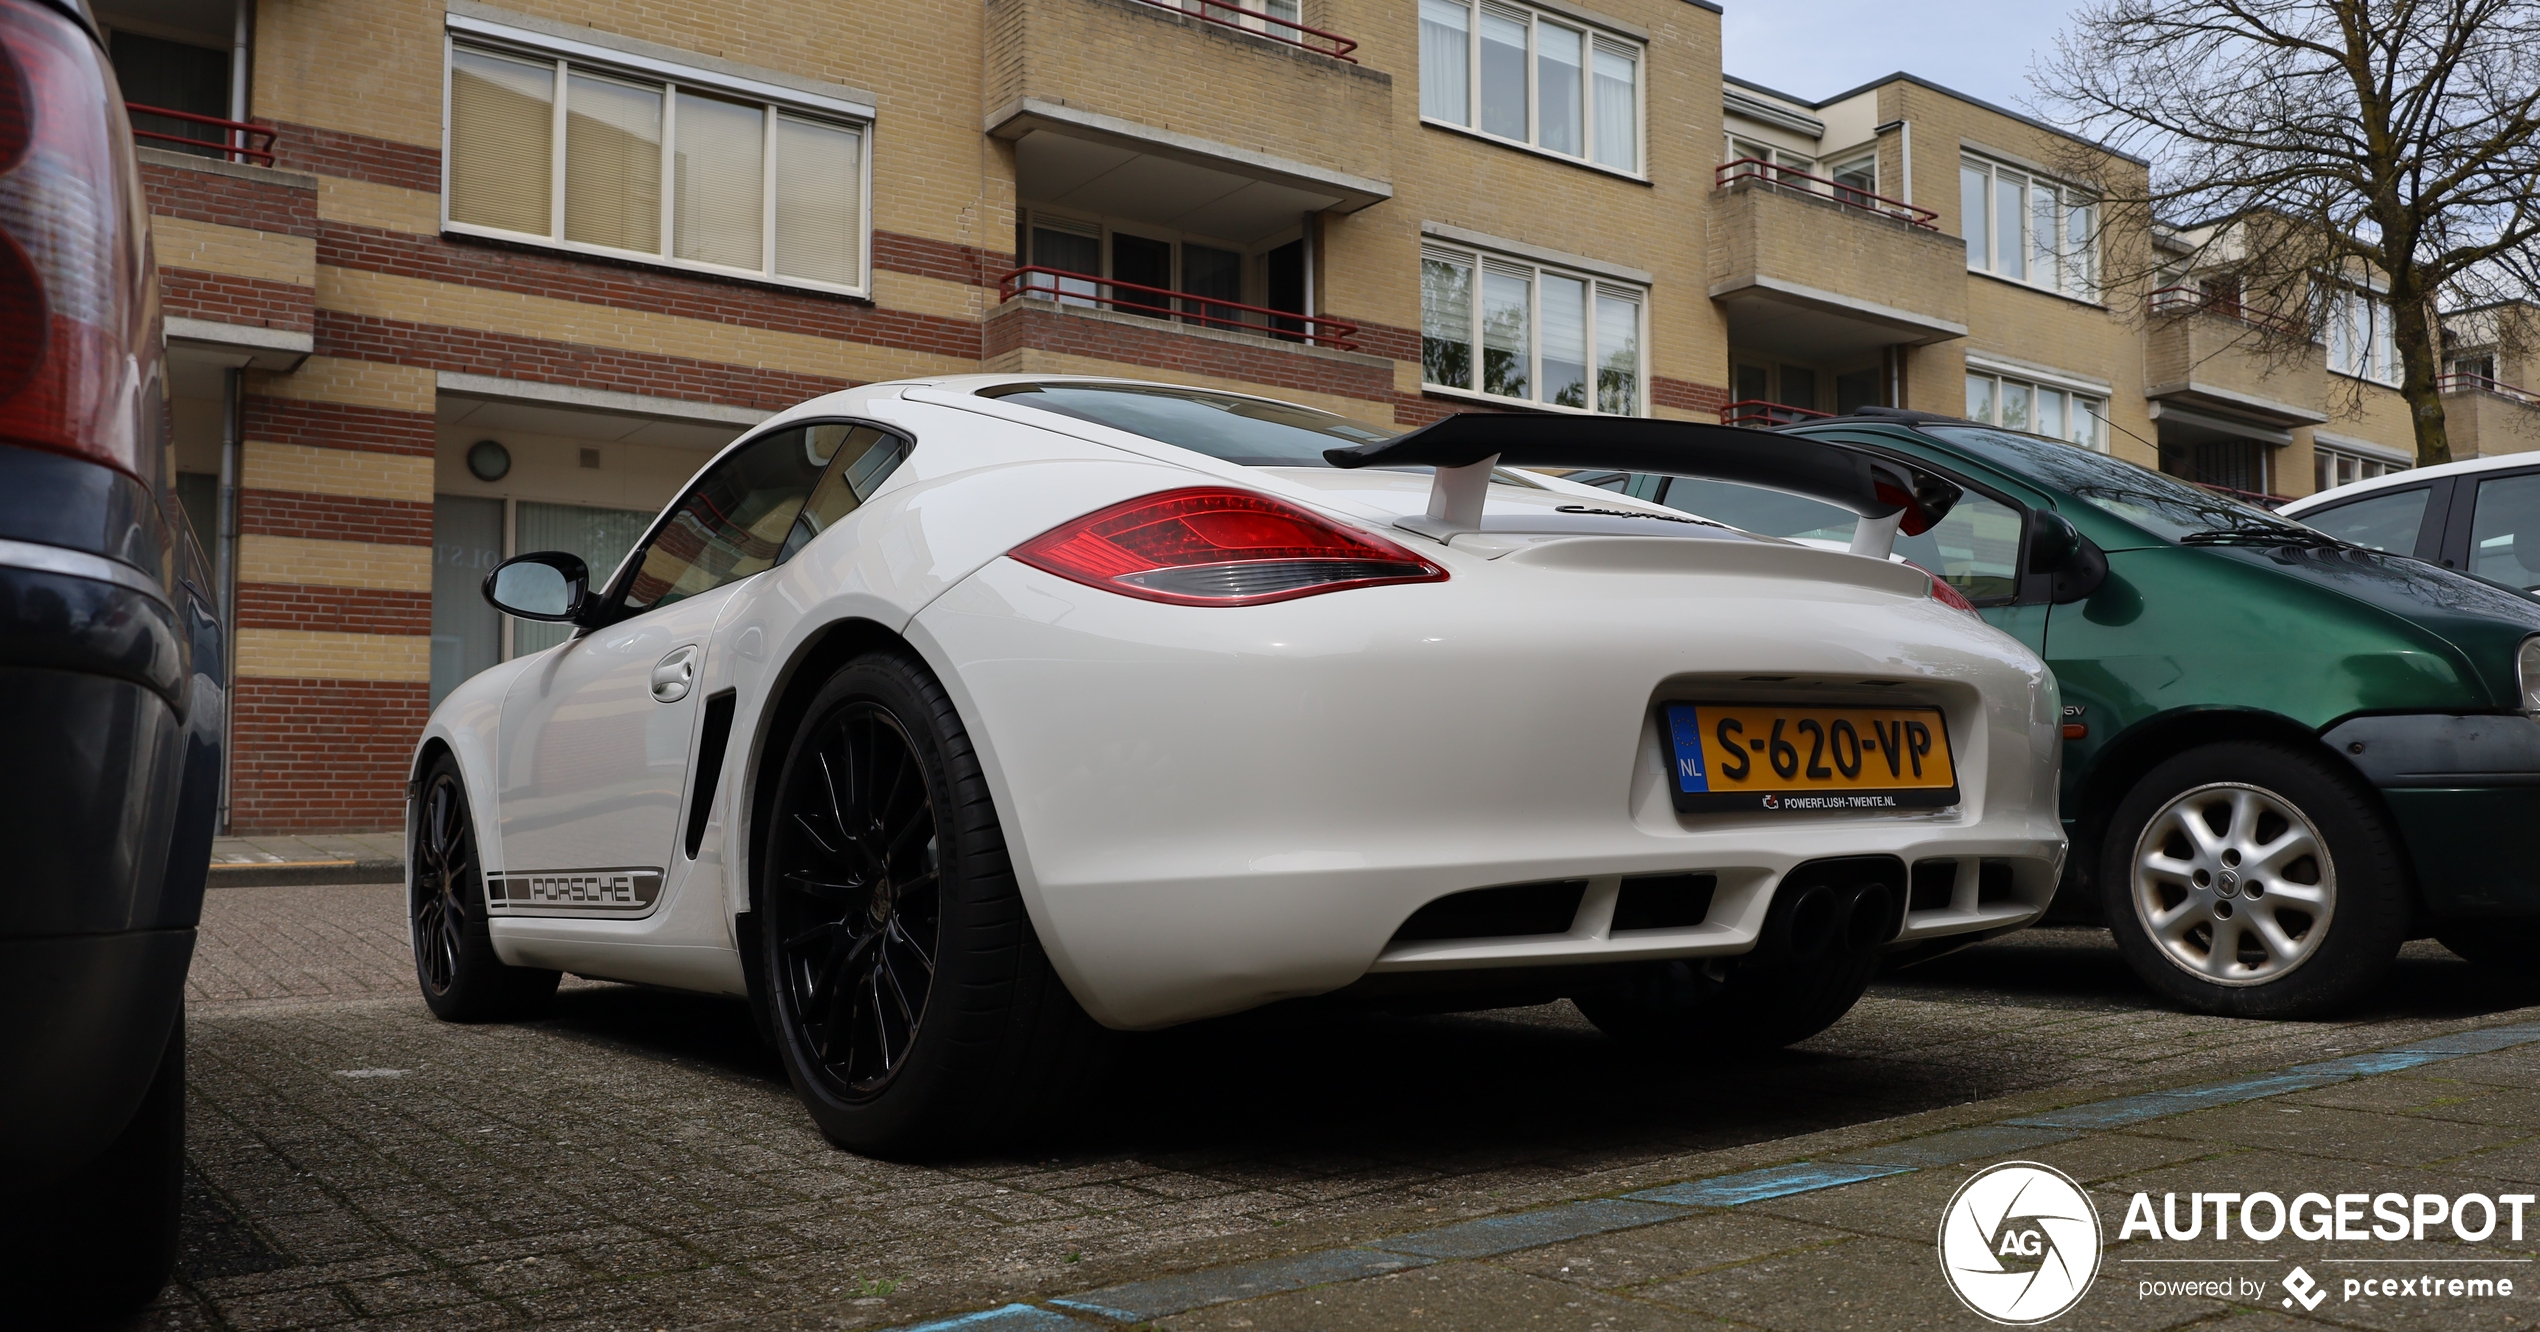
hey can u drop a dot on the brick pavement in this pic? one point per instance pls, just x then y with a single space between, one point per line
635 1159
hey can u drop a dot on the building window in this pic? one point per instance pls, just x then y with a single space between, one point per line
2028 230
2040 409
2337 467
2360 341
1542 335
556 151
1531 78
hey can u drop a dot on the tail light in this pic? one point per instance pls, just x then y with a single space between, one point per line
1949 596
1210 546
79 354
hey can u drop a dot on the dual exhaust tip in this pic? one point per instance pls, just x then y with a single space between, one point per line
1850 905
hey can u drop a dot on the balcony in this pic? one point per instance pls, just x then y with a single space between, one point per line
1808 268
2213 358
1762 415
204 136
1087 291
2484 417
1219 120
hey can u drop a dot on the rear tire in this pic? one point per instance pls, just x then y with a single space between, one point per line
455 963
912 1004
2249 879
97 1246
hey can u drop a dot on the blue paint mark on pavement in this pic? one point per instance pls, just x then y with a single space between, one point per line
1011 1318
1140 1301
2482 1041
2380 1061
1771 1182
1527 1230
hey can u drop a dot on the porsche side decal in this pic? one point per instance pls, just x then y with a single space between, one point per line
578 892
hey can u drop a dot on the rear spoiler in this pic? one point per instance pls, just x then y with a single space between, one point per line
1888 495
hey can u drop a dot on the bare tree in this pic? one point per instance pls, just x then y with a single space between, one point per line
2322 141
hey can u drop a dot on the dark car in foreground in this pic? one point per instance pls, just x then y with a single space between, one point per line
2285 754
112 694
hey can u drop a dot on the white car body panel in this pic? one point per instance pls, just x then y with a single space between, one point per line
1211 808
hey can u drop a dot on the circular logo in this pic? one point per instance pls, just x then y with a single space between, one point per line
2019 1243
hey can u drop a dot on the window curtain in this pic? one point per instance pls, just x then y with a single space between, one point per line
612 164
1617 109
502 142
819 201
721 212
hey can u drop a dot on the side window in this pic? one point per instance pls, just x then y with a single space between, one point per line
1976 549
2504 531
2391 520
862 458
733 523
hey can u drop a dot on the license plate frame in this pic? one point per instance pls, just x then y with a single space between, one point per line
1905 740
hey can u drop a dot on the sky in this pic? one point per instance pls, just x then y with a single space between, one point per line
1817 48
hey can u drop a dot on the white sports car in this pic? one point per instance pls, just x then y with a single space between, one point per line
953 721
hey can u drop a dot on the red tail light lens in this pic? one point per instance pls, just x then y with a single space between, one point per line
1212 546
79 355
1949 596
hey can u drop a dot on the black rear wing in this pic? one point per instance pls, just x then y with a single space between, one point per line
1887 494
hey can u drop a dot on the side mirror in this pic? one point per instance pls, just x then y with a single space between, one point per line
551 586
2058 549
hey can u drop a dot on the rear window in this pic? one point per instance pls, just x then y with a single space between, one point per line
1228 426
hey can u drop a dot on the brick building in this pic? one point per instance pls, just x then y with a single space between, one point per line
484 280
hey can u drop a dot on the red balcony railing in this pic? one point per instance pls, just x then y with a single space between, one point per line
2484 384
236 139
1763 415
1789 181
1066 288
1263 24
2190 300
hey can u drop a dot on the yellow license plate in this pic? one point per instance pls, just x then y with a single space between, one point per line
1729 756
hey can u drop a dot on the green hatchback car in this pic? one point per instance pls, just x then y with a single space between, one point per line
2284 755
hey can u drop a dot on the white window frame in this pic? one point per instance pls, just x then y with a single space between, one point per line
569 57
2074 397
1535 18
1596 286
2332 466
2376 359
2076 274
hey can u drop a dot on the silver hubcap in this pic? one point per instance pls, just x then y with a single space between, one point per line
2234 884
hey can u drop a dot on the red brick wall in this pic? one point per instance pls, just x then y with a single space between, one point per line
335 425
230 299
207 194
340 610
322 755
287 513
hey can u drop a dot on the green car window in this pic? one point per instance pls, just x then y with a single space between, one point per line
2504 532
1976 549
2154 501
2389 521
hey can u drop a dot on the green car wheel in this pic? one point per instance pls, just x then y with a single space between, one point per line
2254 880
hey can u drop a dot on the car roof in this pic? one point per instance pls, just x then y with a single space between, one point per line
2410 476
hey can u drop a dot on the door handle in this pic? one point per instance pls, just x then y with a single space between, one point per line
673 674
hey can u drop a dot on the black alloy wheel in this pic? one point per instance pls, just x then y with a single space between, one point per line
857 904
444 855
906 992
462 978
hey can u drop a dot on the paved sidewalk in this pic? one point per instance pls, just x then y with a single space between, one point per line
635 1159
317 858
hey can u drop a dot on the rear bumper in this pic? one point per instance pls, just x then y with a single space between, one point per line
83 1021
1210 809
2465 790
